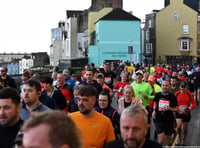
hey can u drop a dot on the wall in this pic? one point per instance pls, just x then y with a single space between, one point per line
169 30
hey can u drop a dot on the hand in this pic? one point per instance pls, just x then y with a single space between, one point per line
168 107
144 96
136 102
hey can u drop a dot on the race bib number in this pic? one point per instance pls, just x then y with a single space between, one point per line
183 109
107 80
163 104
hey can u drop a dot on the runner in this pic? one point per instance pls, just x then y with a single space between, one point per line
165 104
184 98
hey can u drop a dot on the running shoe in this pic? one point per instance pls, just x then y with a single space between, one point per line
184 142
178 142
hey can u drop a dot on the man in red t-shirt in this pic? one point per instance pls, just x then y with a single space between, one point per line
159 69
119 86
83 73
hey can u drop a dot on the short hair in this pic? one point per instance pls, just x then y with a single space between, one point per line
90 70
133 111
26 74
62 128
92 64
106 92
33 82
48 80
77 87
174 78
6 69
87 90
166 81
12 93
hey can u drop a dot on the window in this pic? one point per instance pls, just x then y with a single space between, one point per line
184 45
150 23
198 45
198 27
149 48
147 35
185 29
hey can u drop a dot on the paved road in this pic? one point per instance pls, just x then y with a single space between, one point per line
193 137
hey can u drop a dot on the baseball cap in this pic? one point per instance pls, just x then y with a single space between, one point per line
183 84
151 78
100 75
139 72
65 72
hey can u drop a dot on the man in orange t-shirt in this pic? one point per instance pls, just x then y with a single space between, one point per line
96 128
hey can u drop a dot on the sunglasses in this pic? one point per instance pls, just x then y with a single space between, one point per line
3 71
183 86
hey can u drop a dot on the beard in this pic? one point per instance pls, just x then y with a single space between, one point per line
8 121
133 145
83 110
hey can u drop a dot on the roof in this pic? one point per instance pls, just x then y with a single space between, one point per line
190 3
119 14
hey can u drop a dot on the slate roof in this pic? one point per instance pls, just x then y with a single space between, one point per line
119 14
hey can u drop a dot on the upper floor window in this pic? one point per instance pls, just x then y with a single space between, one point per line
185 29
149 48
185 45
147 35
150 23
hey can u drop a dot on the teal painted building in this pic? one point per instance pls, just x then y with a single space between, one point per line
117 37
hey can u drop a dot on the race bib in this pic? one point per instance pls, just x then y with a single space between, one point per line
163 104
107 80
183 109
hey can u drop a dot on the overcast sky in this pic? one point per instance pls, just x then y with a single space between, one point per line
25 25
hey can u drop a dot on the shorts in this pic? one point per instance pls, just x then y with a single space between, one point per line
196 87
167 128
185 118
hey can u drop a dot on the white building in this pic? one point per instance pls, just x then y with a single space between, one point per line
66 41
25 64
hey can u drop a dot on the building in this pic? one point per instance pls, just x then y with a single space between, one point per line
40 59
18 62
9 57
25 64
177 37
71 41
97 5
93 17
13 69
58 43
149 38
114 42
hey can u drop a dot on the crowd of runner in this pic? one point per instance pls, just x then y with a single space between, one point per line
166 94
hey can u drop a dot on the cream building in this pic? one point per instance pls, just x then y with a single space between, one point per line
176 33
